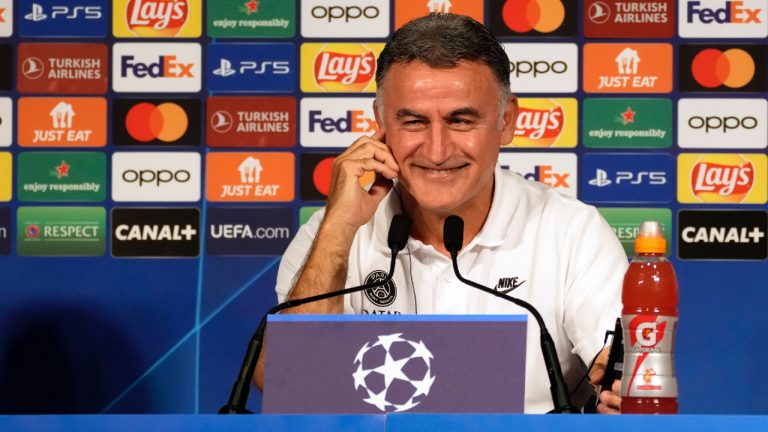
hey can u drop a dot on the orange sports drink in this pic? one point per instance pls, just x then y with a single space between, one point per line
649 320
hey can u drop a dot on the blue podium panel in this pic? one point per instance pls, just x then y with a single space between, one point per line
563 423
191 423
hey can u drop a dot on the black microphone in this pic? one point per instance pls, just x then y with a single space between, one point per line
453 239
396 240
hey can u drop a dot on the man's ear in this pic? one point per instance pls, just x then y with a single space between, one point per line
509 120
379 121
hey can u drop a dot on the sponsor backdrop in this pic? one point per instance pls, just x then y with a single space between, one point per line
157 156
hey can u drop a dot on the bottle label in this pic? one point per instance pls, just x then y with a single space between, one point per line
649 369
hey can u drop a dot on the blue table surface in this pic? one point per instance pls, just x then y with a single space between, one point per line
392 422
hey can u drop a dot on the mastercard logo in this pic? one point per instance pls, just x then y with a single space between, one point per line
522 16
733 68
166 122
321 176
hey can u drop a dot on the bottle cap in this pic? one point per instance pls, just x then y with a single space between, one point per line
650 239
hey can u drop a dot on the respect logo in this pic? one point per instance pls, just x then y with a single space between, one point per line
338 67
157 18
546 123
533 18
722 178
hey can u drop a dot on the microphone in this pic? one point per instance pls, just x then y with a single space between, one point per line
453 239
396 241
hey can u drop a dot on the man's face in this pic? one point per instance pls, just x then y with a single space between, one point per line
443 128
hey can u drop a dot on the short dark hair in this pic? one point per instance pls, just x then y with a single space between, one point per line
442 40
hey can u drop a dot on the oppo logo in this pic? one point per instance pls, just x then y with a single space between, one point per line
332 13
725 123
537 67
156 177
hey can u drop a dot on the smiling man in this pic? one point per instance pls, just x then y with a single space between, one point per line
444 109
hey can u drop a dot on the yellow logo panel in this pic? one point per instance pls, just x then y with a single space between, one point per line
157 18
544 123
722 178
339 67
6 176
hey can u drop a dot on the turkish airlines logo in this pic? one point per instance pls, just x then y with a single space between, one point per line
32 68
599 12
62 68
723 68
251 121
722 178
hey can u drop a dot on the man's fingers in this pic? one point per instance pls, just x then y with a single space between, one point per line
358 168
372 151
605 409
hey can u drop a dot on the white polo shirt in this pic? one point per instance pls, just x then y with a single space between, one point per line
548 249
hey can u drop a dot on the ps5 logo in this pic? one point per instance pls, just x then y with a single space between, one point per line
225 68
628 177
88 12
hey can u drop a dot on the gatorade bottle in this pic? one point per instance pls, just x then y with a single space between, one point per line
649 319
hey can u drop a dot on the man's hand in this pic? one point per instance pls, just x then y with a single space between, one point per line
349 205
609 400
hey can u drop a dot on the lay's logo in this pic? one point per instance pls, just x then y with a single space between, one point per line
546 123
722 178
157 18
339 67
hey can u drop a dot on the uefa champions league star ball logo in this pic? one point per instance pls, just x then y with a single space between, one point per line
394 373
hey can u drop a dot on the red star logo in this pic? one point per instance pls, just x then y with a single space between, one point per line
2 11
253 6
629 115
62 170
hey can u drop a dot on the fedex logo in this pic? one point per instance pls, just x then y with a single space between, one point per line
335 122
354 121
556 170
546 174
723 19
156 68
165 67
731 12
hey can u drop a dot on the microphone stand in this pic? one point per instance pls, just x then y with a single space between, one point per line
398 237
453 238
